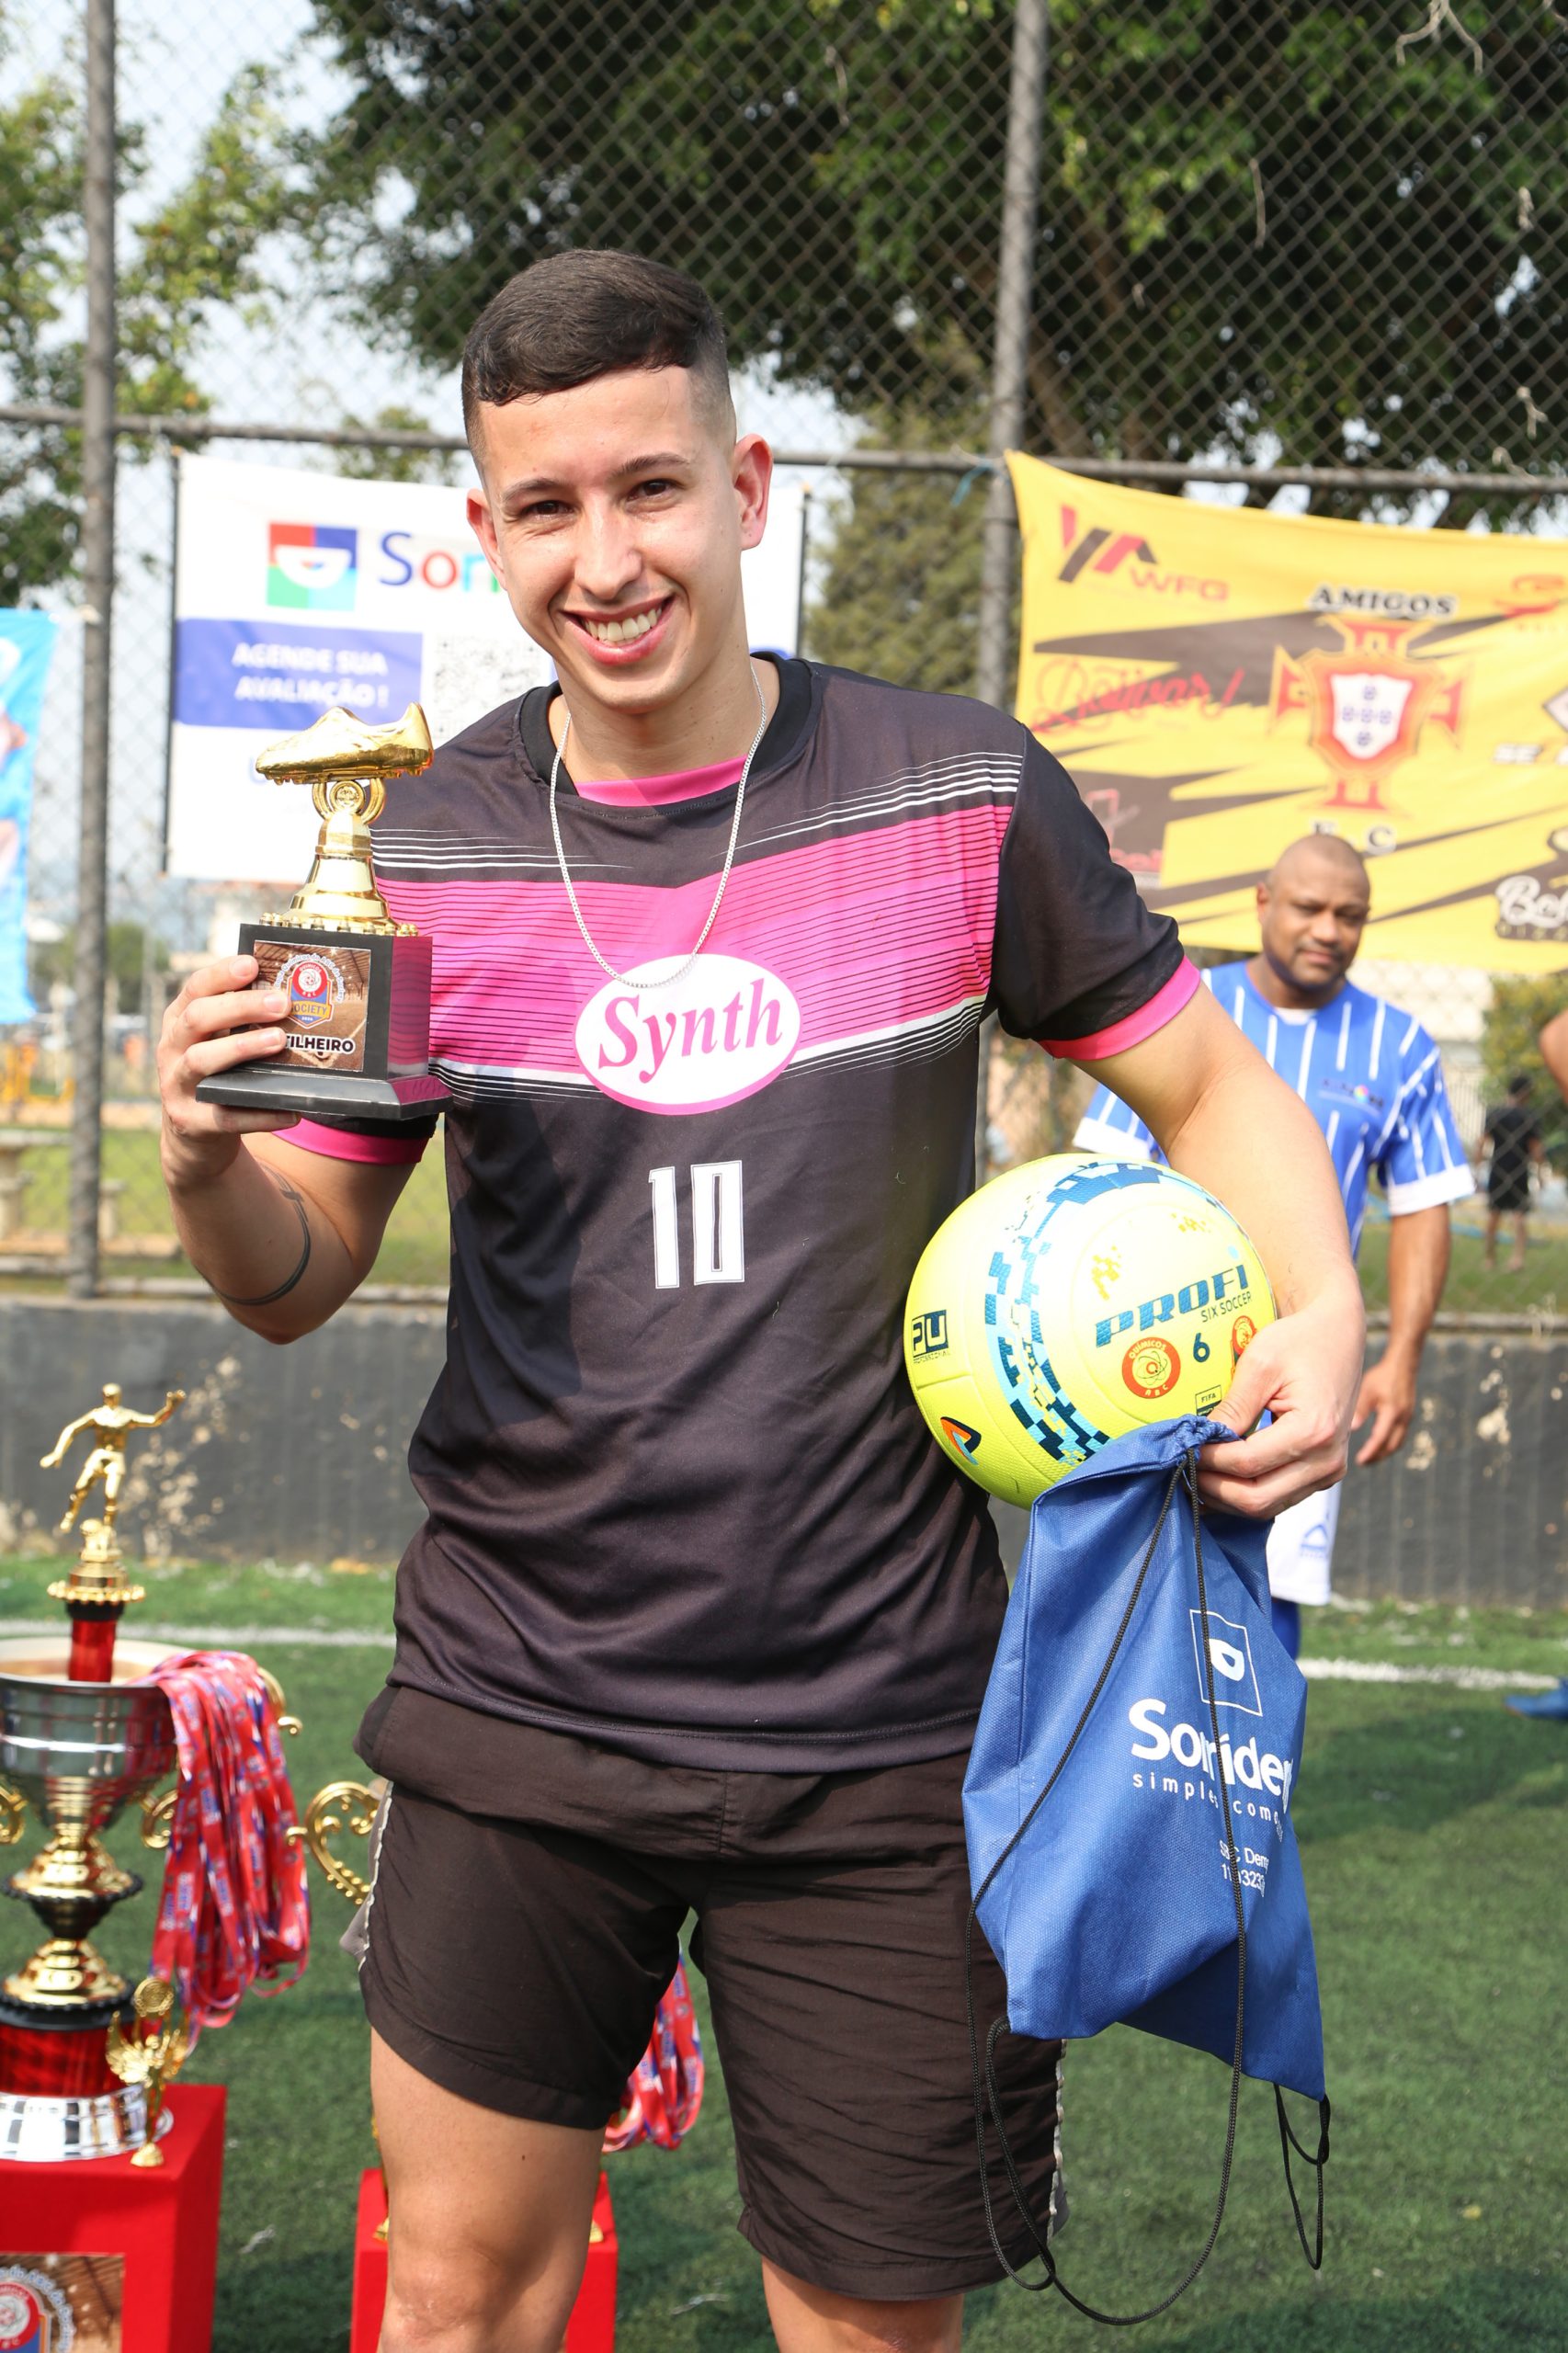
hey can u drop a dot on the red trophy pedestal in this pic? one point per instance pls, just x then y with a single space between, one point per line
591 2328
161 2221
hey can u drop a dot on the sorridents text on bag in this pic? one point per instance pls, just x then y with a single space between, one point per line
1247 1764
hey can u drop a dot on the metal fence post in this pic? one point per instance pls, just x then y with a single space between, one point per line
1009 378
1009 374
97 598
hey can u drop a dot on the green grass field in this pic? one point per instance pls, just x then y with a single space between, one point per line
1432 1826
415 1250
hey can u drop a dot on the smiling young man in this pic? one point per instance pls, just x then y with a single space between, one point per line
699 1618
1373 1080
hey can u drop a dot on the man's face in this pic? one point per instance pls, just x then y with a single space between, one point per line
614 516
1311 918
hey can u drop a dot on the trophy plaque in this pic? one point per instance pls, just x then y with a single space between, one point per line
356 1029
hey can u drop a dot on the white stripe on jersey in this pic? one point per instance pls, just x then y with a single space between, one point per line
1379 1116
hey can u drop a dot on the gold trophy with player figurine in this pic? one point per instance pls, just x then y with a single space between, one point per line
356 1029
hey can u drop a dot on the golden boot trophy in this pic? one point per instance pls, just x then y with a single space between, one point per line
356 1030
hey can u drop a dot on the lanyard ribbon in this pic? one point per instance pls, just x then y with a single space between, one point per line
234 1911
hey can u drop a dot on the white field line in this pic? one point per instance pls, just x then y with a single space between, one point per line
325 1638
1457 1678
227 1638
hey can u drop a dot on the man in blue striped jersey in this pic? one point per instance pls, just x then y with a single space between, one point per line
1371 1077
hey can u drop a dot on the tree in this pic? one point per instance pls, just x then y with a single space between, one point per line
200 249
1262 227
900 589
1519 1010
130 954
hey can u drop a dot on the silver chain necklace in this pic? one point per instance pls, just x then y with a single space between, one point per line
666 980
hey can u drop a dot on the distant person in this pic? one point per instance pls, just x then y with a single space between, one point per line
1513 1141
1371 1077
1554 1044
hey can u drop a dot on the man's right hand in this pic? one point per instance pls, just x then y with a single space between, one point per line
217 1022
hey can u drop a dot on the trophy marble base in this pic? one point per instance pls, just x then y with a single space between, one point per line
358 1027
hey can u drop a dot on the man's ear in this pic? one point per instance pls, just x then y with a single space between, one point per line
750 471
481 523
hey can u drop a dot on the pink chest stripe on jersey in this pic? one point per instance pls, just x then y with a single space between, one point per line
660 791
886 928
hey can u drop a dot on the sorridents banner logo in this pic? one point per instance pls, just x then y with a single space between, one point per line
1233 1677
721 1032
312 567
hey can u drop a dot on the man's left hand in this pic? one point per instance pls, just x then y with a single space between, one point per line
1388 1401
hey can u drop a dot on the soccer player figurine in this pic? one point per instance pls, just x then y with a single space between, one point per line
1371 1077
700 1616
111 1423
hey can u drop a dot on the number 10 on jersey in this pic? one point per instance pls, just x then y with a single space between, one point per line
718 1224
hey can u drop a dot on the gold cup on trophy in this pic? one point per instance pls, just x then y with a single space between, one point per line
356 1030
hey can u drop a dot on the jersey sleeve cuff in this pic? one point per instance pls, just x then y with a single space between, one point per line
1099 1135
1454 1184
342 1143
1133 1028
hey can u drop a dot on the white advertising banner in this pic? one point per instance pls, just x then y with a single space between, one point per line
294 591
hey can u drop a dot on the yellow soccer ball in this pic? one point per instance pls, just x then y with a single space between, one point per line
1069 1301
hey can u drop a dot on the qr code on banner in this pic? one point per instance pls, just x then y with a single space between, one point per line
466 676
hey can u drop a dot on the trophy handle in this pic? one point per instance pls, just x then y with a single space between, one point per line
157 1818
341 1805
274 1690
13 1812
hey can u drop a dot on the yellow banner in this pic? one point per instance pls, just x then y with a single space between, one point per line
1219 682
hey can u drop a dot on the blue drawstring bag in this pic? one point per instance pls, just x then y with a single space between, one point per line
1127 1801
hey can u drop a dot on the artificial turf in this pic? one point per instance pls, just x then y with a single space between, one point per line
1432 1829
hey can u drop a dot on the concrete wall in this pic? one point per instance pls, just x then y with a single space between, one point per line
291 1454
1475 1508
298 1453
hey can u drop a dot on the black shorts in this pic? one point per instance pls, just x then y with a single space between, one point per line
516 1958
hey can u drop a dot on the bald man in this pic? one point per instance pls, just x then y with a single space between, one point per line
1371 1077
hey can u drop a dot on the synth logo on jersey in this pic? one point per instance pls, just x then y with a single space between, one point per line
312 567
723 1030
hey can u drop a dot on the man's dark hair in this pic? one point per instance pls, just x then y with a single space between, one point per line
1519 1085
579 316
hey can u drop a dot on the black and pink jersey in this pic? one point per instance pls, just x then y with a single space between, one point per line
680 1496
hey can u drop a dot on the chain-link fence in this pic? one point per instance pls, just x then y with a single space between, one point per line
1303 255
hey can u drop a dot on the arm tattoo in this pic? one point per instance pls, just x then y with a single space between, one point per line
266 1298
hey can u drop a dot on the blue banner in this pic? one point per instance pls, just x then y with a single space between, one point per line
27 641
281 676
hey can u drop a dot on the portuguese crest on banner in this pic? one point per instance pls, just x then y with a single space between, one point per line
1219 682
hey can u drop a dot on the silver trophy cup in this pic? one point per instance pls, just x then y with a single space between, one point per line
76 1754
